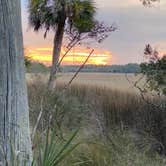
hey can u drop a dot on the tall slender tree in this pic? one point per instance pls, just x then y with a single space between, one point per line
14 115
61 15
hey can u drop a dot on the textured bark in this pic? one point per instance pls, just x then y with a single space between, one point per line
56 54
56 51
14 115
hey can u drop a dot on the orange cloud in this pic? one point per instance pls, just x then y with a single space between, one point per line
75 57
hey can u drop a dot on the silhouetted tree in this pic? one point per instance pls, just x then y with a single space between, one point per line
148 2
59 15
155 70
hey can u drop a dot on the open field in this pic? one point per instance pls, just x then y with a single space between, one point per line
108 80
115 128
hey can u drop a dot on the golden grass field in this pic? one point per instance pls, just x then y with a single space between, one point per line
108 80
118 126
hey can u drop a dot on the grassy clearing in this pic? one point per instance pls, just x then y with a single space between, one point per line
124 153
116 128
107 80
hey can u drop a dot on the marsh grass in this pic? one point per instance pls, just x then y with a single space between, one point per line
97 153
99 111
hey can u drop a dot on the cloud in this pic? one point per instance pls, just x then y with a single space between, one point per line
76 56
137 26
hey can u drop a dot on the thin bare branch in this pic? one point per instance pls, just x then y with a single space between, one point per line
142 92
68 50
80 68
38 120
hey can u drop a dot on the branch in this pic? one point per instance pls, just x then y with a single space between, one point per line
148 3
142 92
38 120
69 48
80 68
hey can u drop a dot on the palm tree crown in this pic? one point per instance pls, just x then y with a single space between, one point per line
46 14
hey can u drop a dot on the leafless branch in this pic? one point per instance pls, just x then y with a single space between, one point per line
80 68
38 120
142 92
68 50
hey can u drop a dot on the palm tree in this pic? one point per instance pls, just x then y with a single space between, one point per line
61 16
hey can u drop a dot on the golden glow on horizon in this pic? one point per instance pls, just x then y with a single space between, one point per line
75 57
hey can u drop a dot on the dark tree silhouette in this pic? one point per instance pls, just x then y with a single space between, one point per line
59 15
148 2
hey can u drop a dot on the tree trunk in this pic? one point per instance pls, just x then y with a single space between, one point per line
56 53
14 115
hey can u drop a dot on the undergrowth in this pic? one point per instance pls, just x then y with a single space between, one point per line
115 128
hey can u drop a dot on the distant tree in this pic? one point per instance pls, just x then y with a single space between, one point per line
27 62
148 2
75 18
14 116
59 15
152 81
128 68
155 70
27 59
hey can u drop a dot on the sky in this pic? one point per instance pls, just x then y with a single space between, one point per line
137 26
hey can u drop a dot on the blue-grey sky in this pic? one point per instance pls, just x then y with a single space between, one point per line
137 26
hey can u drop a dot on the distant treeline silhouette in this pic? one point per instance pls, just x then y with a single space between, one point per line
128 68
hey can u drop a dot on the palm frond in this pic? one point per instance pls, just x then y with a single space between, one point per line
46 14
54 151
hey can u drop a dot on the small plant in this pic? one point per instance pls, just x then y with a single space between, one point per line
52 151
27 61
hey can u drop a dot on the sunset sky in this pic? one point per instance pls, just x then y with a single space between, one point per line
137 26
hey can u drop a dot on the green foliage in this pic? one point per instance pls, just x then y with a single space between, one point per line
28 62
155 70
124 153
156 74
40 15
47 14
83 16
52 152
36 67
